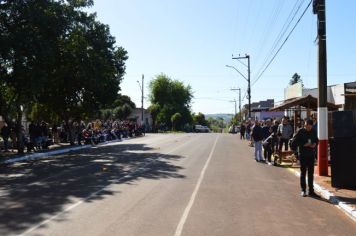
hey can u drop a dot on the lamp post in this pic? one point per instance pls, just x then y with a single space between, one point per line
141 88
248 81
248 84
235 106
238 89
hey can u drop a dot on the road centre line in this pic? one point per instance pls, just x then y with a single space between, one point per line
71 207
184 217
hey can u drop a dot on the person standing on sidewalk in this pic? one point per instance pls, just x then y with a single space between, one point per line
267 149
5 134
257 135
242 131
285 132
305 142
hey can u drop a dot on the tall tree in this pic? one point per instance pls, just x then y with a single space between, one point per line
168 97
199 119
28 39
55 56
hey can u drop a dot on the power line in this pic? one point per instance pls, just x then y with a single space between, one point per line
272 59
283 31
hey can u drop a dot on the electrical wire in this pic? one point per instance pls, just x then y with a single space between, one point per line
283 31
284 42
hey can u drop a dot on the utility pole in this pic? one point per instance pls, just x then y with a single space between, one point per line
319 10
238 89
235 106
142 90
248 81
142 96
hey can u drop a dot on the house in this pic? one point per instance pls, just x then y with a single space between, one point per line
343 95
260 110
136 115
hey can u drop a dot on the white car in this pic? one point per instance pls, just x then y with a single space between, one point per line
201 129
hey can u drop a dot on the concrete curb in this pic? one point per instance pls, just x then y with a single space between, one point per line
42 155
346 208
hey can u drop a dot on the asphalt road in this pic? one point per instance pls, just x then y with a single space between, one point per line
163 184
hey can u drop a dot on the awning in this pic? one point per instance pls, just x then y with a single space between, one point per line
308 101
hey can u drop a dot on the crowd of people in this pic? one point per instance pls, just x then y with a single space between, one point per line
40 135
271 135
274 136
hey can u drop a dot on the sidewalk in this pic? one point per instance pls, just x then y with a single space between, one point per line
345 199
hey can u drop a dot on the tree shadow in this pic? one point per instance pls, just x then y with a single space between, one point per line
31 192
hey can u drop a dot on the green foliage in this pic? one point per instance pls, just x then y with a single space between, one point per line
169 97
121 100
39 112
122 112
176 121
218 122
106 114
295 79
56 60
199 119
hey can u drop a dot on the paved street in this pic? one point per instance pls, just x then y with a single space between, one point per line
162 184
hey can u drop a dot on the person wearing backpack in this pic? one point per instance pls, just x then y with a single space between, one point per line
305 142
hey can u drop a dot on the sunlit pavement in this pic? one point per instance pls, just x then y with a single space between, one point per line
164 184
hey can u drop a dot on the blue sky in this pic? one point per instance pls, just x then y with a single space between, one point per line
193 40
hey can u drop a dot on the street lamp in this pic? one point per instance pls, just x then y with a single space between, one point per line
141 88
248 83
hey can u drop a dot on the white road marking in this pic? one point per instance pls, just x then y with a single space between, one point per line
71 207
195 192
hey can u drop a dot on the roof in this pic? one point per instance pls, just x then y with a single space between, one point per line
304 101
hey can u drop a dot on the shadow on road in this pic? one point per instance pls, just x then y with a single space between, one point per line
34 191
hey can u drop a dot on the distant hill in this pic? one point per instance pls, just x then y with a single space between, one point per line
226 117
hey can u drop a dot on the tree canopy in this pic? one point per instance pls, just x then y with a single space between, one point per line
169 97
295 79
56 57
56 61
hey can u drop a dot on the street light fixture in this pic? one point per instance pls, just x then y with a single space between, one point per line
248 83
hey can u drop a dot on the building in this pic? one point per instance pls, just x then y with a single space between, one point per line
136 115
343 95
260 110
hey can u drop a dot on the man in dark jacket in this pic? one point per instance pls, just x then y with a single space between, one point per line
5 134
305 142
257 135
242 131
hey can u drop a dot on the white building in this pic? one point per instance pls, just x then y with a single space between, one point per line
136 115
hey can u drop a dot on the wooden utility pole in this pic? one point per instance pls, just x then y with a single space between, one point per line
238 89
319 10
248 81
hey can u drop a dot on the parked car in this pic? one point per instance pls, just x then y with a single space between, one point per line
234 129
201 129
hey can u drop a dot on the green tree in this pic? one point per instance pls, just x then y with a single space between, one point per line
122 100
154 110
55 56
122 112
295 79
29 33
168 97
176 121
199 119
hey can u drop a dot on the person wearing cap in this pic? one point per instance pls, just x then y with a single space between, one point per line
305 142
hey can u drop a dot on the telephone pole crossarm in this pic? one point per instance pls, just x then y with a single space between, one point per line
248 81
